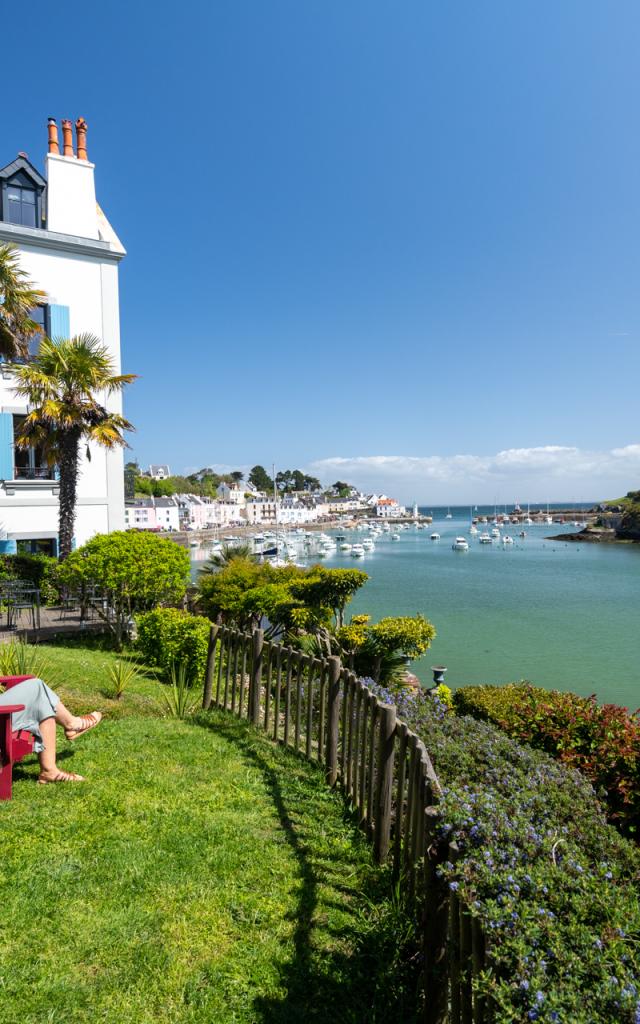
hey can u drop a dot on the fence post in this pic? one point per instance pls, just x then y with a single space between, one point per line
333 720
386 750
256 677
436 899
210 669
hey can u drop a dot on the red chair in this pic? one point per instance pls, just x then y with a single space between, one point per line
14 745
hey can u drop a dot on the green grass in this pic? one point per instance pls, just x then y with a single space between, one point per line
200 874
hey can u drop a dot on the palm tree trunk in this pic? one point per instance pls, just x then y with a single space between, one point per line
69 457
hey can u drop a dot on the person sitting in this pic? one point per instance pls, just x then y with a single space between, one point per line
43 709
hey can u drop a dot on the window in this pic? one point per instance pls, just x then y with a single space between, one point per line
40 316
46 546
29 463
21 206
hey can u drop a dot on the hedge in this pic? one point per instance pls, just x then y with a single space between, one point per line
40 570
554 886
601 740
167 636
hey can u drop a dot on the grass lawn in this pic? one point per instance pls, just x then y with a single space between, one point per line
200 874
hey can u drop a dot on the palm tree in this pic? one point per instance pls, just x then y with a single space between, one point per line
60 385
17 299
227 554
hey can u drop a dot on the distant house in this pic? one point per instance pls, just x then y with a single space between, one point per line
159 472
231 493
152 514
388 508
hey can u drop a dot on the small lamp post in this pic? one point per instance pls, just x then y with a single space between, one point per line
438 676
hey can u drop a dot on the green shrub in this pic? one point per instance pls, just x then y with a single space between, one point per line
18 658
167 636
554 886
179 698
40 570
601 740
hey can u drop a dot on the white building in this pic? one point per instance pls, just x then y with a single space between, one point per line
69 250
232 493
159 472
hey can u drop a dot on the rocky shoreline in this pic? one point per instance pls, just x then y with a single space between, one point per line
594 535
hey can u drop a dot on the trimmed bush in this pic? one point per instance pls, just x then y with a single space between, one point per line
554 886
601 740
168 637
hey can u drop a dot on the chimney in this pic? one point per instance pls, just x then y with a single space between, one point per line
67 138
53 136
81 135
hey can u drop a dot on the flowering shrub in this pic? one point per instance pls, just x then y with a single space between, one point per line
601 740
168 637
552 884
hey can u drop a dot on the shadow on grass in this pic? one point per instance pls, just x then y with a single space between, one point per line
369 975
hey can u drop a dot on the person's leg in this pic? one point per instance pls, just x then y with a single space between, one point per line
66 719
49 771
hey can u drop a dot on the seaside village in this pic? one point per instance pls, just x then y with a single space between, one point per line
240 504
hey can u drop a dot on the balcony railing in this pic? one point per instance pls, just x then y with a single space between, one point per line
33 473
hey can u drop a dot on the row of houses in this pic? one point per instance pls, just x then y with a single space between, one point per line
192 512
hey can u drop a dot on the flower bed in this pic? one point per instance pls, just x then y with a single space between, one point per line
601 740
553 885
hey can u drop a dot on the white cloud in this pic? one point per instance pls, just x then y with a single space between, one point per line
545 473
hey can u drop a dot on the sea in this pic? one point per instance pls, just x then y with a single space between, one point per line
564 615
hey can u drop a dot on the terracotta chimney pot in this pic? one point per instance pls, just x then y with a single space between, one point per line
81 134
53 136
67 138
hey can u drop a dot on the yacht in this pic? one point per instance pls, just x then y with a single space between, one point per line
368 545
357 551
435 536
473 529
344 546
395 536
495 533
485 538
448 515
460 544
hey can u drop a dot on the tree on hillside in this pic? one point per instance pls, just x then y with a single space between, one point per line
18 298
61 385
237 476
260 479
311 483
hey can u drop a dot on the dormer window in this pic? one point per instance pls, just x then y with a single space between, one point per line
21 194
22 206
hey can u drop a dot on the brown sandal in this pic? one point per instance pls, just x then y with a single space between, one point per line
88 722
61 777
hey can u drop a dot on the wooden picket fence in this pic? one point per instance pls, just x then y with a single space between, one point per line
324 712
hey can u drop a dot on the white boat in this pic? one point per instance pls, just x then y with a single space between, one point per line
193 543
523 533
548 519
357 551
448 515
473 529
460 544
435 536
368 545
395 536
507 539
495 533
345 547
485 538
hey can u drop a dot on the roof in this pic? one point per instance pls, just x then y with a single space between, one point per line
155 469
21 163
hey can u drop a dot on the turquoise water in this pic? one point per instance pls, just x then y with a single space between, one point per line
564 615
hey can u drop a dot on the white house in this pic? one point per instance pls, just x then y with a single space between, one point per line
70 251
232 493
159 472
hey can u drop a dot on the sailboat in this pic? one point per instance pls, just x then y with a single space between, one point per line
448 515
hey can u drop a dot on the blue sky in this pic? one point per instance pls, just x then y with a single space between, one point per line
395 243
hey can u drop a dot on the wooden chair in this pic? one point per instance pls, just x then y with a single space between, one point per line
14 745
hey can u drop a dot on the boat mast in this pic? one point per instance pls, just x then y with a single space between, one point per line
275 506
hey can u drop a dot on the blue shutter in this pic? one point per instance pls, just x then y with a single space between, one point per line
59 321
6 446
